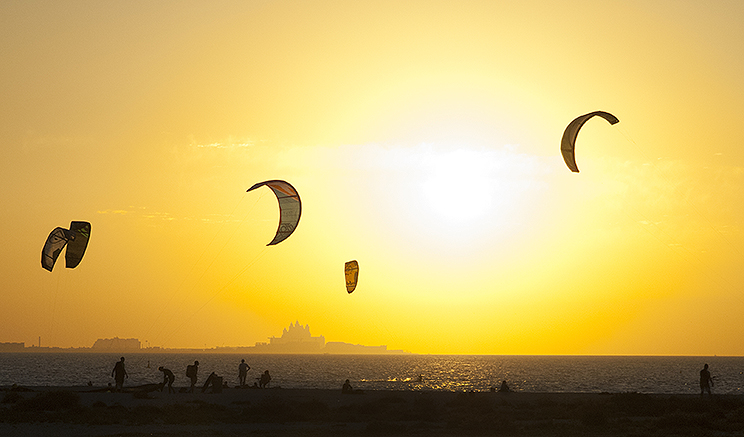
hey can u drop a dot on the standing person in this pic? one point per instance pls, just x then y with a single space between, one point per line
119 373
706 381
168 378
243 369
191 371
265 379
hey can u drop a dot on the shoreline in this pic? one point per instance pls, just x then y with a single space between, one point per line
87 411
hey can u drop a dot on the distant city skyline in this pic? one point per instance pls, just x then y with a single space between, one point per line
296 339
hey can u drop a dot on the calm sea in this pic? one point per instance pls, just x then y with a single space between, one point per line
578 374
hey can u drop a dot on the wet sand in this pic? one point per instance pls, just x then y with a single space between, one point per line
91 411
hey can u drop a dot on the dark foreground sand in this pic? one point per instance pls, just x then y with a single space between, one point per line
81 411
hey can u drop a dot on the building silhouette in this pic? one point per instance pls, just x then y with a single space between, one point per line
117 344
294 340
12 347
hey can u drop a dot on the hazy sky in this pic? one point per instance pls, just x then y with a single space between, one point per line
423 138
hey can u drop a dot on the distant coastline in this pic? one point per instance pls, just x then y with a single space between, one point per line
294 340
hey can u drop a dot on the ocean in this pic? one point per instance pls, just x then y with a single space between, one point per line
569 374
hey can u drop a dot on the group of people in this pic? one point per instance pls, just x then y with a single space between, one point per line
119 373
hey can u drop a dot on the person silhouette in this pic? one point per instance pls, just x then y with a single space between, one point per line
215 381
191 372
706 381
243 369
504 388
119 373
347 387
265 379
168 378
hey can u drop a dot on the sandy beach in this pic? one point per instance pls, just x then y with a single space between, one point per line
91 411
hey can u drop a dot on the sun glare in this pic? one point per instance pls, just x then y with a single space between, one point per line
458 188
464 197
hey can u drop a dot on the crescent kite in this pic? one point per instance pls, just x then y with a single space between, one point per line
290 208
572 131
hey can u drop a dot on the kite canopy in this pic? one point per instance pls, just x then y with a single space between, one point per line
290 208
76 239
55 242
572 131
351 269
76 246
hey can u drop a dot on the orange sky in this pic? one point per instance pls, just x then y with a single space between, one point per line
423 138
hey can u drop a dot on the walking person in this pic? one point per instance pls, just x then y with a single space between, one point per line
119 373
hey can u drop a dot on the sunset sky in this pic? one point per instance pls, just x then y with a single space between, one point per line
424 140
